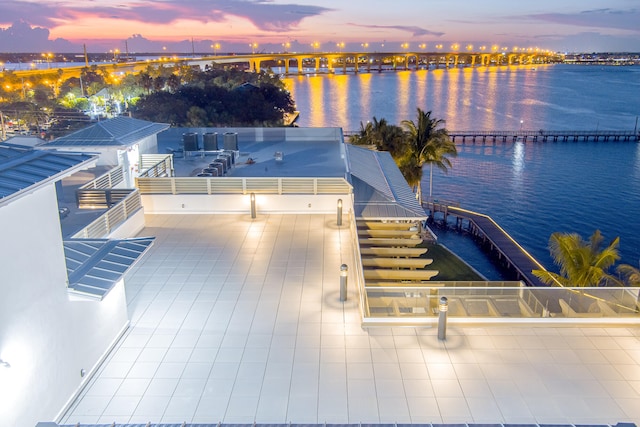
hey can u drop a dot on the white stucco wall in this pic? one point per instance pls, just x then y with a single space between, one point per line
45 336
130 228
148 145
238 203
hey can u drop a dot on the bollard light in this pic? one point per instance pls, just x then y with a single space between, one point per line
443 307
344 273
253 206
339 220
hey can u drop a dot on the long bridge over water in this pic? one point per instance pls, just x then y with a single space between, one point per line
405 60
316 62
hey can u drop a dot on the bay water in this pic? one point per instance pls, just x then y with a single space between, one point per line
530 189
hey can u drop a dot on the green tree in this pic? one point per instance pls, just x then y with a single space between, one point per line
582 263
427 142
630 275
197 117
145 80
382 135
173 83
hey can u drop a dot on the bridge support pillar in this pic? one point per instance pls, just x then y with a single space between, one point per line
317 64
299 65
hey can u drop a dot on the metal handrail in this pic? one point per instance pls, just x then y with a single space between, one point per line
107 180
102 226
246 185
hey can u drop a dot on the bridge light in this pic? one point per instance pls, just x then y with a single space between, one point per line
364 45
253 47
469 47
422 46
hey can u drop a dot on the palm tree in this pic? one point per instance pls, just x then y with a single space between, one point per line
582 263
630 274
382 135
427 142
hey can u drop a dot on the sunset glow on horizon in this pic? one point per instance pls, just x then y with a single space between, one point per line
574 25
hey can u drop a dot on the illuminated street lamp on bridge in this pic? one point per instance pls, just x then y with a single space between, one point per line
47 57
253 47
215 47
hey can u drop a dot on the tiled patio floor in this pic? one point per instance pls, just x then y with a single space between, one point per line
236 321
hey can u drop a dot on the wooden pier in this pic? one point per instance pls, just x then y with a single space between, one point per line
545 136
497 240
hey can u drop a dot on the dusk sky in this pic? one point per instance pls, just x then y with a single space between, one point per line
186 25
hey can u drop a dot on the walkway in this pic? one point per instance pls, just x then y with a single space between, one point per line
500 241
545 135
237 321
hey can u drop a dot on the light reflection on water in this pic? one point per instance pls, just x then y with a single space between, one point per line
530 189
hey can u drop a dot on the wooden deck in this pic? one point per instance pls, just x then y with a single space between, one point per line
507 249
411 263
405 234
385 274
378 225
394 252
390 242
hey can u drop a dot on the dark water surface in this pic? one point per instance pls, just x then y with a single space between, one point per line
530 189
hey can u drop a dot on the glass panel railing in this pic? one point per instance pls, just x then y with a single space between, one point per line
502 302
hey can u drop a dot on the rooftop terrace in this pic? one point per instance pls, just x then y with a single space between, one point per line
236 320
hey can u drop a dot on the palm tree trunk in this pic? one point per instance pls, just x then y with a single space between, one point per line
430 180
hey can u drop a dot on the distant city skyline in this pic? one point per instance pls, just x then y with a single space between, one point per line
218 26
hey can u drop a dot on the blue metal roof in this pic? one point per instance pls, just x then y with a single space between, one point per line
119 131
22 168
380 190
94 266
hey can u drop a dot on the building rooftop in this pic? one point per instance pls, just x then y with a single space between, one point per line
276 156
23 168
237 320
94 266
119 131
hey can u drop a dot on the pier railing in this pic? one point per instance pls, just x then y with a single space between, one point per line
537 135
544 135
